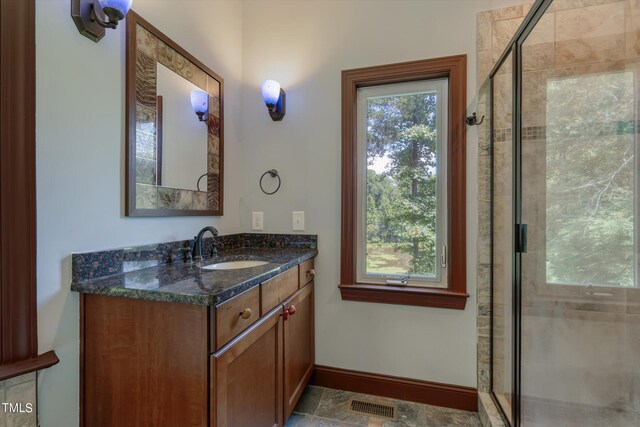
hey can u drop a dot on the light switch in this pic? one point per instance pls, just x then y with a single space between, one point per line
257 222
298 221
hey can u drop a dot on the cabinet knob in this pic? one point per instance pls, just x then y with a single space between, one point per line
311 272
287 312
246 313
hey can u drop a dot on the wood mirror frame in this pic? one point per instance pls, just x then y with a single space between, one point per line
146 48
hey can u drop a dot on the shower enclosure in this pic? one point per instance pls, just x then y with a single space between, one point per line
562 133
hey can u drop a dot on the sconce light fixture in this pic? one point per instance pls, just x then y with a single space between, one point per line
274 97
93 16
200 104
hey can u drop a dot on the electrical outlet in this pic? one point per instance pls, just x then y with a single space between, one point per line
298 221
257 221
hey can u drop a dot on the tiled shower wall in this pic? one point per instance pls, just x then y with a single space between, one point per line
574 37
19 390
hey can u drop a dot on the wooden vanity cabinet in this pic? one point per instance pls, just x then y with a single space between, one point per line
299 346
243 363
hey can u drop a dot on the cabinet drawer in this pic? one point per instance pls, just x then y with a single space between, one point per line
278 289
230 315
306 272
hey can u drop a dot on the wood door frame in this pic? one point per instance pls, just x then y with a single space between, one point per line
18 305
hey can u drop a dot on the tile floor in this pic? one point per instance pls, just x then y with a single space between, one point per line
326 407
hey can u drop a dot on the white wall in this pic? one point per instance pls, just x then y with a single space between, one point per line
80 161
305 45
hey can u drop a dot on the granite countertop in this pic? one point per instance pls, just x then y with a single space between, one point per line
183 282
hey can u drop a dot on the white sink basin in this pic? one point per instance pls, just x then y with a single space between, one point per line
234 265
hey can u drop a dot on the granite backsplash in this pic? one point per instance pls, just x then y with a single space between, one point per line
88 266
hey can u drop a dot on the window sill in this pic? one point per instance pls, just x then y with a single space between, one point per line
25 366
423 297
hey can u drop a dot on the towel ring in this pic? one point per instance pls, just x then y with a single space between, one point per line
274 174
198 183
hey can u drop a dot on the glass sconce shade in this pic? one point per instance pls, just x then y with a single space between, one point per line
270 92
275 99
121 6
200 103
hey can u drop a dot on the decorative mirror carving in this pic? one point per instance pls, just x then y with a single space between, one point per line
175 128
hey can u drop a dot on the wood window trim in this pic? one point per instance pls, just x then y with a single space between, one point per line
18 309
455 295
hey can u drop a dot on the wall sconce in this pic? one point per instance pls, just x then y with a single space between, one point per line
200 104
274 97
90 18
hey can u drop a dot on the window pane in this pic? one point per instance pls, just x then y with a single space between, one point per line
590 179
402 184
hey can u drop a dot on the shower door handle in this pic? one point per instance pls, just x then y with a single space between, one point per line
521 238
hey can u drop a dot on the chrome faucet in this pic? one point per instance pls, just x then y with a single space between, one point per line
196 249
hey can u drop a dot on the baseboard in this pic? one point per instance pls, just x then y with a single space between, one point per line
431 393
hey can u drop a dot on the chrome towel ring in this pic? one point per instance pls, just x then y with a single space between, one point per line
274 174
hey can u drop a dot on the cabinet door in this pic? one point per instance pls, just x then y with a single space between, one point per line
144 363
246 377
299 351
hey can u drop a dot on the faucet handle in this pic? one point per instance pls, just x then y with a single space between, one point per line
215 246
187 258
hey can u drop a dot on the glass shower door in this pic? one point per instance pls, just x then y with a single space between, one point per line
580 321
502 221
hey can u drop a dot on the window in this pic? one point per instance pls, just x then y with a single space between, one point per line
401 200
590 180
403 183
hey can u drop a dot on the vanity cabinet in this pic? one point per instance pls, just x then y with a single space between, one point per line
242 363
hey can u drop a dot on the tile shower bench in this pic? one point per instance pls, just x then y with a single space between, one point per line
164 342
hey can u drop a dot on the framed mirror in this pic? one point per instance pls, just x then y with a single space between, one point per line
175 128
